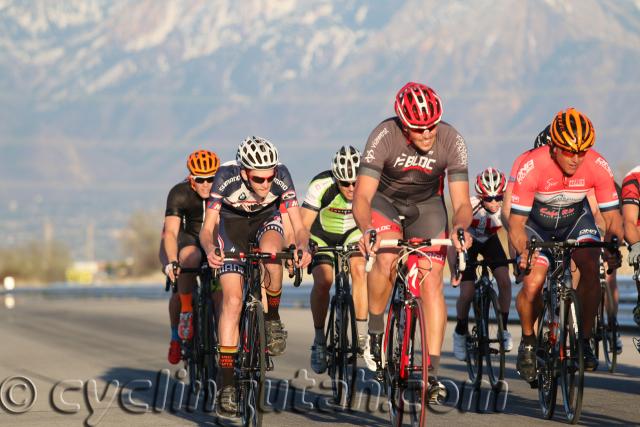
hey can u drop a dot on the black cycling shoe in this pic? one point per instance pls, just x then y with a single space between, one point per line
526 364
590 360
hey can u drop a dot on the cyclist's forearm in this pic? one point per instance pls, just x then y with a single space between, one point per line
613 223
362 213
462 217
302 237
171 246
518 237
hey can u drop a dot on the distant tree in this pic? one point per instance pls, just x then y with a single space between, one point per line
36 260
140 242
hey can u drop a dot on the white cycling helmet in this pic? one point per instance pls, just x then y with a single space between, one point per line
491 183
345 164
257 153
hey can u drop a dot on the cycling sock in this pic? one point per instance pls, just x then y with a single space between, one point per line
185 303
227 362
376 323
319 339
529 339
505 320
434 365
273 302
462 327
362 325
174 333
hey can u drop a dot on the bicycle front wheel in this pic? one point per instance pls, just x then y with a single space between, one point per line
547 342
493 343
418 365
609 330
475 346
252 365
571 357
395 376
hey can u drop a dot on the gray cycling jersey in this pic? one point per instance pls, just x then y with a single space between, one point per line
407 174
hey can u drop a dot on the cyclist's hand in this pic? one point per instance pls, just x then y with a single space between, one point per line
215 261
613 259
306 256
364 244
634 253
456 279
525 256
468 240
172 271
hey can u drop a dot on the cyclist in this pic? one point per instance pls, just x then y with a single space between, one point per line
631 215
180 243
246 197
326 212
548 202
490 186
402 173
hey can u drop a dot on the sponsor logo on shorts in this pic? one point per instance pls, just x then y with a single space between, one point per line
591 231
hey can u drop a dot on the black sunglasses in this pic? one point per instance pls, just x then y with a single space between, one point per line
260 179
346 184
202 180
492 198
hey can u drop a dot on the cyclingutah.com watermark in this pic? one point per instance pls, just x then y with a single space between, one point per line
303 393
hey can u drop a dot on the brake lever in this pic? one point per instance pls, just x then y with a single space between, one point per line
297 272
371 257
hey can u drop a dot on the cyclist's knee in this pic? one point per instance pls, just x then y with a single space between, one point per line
190 257
232 304
384 262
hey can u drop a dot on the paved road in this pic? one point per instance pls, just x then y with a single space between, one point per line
71 348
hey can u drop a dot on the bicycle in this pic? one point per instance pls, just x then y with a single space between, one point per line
200 352
253 359
636 277
341 333
605 328
406 364
486 340
559 337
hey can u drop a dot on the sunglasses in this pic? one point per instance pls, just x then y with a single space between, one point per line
202 180
346 184
262 179
492 198
423 130
568 153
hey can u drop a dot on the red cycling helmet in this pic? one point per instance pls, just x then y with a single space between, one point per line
418 106
491 183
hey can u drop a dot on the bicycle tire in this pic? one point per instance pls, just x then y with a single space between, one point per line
252 365
418 364
547 338
474 346
210 343
333 344
493 340
572 364
394 381
609 330
195 365
598 330
348 354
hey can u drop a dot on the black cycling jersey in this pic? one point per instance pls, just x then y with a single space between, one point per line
184 202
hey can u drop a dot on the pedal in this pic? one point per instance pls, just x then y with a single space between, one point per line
269 363
534 384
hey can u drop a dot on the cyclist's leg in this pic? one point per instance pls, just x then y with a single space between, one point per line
322 280
189 256
493 251
228 334
463 304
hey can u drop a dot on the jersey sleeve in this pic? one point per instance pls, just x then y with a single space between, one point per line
603 185
631 188
376 151
175 202
283 187
457 160
317 189
221 186
525 187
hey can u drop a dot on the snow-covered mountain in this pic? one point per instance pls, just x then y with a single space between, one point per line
112 95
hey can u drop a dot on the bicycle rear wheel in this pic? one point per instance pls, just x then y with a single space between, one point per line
493 343
348 354
475 347
210 344
195 364
252 365
547 342
395 378
571 357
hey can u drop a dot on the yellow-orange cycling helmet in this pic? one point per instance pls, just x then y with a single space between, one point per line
203 163
572 131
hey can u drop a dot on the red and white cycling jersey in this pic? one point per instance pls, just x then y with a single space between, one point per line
631 189
554 200
484 223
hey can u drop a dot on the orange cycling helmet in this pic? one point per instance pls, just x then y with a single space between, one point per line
572 131
203 163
